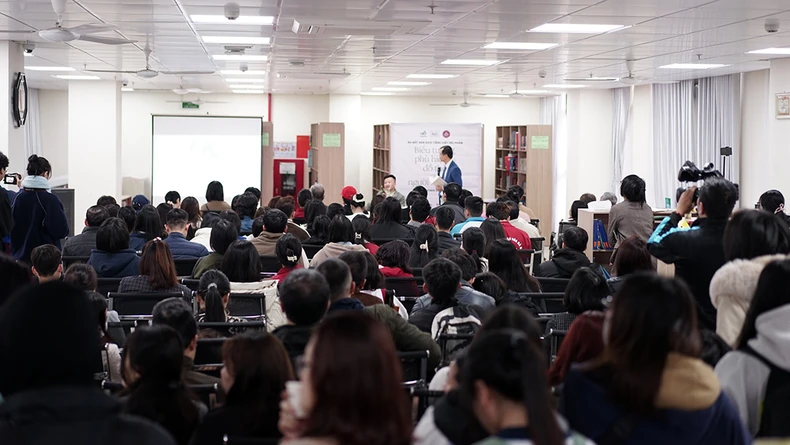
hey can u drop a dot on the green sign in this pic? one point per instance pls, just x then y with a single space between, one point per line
189 105
540 142
265 139
331 140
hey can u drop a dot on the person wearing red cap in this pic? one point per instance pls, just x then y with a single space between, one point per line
347 194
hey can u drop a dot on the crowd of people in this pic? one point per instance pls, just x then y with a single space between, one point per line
644 359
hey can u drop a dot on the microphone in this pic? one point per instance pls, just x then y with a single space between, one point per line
438 171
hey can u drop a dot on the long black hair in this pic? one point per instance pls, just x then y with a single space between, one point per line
752 233
394 253
503 260
148 222
493 230
241 263
425 247
214 286
772 292
473 241
632 188
340 230
320 227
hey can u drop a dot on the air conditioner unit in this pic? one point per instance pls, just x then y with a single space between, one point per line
341 27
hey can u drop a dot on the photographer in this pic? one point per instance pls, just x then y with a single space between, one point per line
697 252
6 218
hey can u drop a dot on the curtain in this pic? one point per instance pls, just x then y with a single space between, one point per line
33 125
718 115
621 120
553 112
674 136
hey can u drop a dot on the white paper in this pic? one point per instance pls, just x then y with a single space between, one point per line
437 180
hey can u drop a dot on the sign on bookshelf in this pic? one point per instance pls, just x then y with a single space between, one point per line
331 140
540 142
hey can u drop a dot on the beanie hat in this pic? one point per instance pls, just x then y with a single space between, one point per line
348 192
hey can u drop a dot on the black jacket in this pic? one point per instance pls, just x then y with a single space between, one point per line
294 338
6 218
459 212
82 244
697 254
390 230
424 318
564 263
234 421
446 242
458 423
73 415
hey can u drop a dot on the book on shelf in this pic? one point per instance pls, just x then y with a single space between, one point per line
600 238
500 163
512 162
500 142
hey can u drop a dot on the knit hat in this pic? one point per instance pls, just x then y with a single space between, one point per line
139 201
48 338
348 192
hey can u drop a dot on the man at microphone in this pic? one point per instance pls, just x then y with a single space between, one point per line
450 172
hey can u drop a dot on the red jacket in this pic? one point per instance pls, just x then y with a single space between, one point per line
284 271
299 213
583 342
517 237
372 248
395 272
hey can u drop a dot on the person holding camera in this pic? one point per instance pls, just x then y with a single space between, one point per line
697 252
6 217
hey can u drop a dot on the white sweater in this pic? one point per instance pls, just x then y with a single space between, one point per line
274 313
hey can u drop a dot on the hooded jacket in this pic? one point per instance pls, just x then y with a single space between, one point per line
82 244
122 264
744 377
731 292
692 409
564 263
203 237
334 250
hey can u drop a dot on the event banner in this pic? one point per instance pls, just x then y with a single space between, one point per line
414 154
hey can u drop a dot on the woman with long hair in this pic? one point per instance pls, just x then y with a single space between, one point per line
362 227
319 231
350 358
632 256
492 230
473 241
147 226
340 240
192 207
98 305
585 291
288 251
256 369
649 386
157 272
632 217
387 225
393 257
152 362
503 260
213 296
425 247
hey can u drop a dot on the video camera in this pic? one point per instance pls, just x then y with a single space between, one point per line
689 172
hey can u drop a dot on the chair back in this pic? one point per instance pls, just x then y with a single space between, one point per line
525 255
553 284
555 339
270 263
185 266
551 301
535 222
234 440
107 285
127 326
404 286
131 306
311 249
191 283
247 305
69 260
209 351
416 271
415 366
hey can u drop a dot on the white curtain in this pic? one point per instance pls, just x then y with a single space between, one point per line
674 136
32 125
718 121
621 120
553 112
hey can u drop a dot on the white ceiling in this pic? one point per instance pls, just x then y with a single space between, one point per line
661 32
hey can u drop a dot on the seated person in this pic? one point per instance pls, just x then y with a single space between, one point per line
442 281
177 225
419 211
275 224
473 210
444 223
85 242
341 285
388 225
305 298
341 240
568 259
287 252
112 257
157 272
246 207
203 234
519 223
358 265
286 204
147 226
357 205
393 257
466 294
450 196
213 296
501 212
47 263
223 234
585 292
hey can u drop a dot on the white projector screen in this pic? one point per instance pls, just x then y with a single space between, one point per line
191 151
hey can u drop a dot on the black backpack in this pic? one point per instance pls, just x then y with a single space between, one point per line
776 404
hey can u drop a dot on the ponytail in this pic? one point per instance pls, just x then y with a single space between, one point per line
288 250
213 286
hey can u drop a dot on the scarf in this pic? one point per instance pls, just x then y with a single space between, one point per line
36 182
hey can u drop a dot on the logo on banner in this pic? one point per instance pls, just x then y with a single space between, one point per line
423 134
446 133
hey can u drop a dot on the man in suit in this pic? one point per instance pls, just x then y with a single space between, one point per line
450 172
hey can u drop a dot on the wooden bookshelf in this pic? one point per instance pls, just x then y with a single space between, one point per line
327 158
381 157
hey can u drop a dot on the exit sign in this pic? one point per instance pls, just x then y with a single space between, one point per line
189 105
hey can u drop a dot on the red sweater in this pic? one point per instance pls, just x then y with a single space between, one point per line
395 272
284 271
372 248
299 213
583 342
517 237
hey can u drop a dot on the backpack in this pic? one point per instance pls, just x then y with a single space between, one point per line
456 320
775 409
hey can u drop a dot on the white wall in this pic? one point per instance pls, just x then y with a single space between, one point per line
53 112
639 159
293 114
756 173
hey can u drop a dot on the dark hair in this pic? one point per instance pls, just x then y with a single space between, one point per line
156 263
357 201
177 314
473 242
172 197
390 176
632 256
411 197
3 161
420 209
718 197
447 151
421 190
587 198
513 316
772 201
419 257
362 227
632 188
275 221
452 191
771 293
95 215
303 196
112 236
504 261
15 276
320 228
82 276
752 233
490 284
209 220
113 209
442 278
463 260
223 234
260 366
650 317
334 209
374 279
177 218
286 204
191 205
340 230
354 359
375 212
575 238
498 210
390 211
585 291
394 254
317 190
515 193
288 250
232 217
241 263
445 218
214 285
163 210
247 205
156 353
98 308
215 191
513 209
312 209
357 265
304 295
46 259
474 205
338 276
575 206
257 226
492 230
37 166
148 222
512 366
255 191
462 197
129 216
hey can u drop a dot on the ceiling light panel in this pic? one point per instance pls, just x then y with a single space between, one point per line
127 89
245 86
530 92
472 62
376 93
577 28
50 68
241 57
563 86
408 84
242 20
248 91
692 66
525 46
237 40
242 73
431 76
76 77
774 51
501 96
389 89
246 80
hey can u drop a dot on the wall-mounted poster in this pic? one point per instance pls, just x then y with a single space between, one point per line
783 106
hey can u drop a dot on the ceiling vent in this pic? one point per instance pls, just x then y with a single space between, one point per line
236 49
341 27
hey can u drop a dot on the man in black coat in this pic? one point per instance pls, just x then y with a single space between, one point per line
569 259
85 242
6 217
304 296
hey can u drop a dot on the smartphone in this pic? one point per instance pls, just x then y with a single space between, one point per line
294 390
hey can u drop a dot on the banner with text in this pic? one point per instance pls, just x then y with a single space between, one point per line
414 154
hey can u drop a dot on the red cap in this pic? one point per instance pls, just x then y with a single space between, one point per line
348 192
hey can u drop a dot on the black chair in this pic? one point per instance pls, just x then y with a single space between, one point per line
247 305
69 260
542 322
233 440
191 283
404 215
564 225
185 266
270 263
135 306
525 255
127 326
415 365
209 351
382 241
535 222
552 301
537 246
311 249
408 303
416 271
553 284
404 286
555 339
107 285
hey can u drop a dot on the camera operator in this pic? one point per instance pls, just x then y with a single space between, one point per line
697 252
6 218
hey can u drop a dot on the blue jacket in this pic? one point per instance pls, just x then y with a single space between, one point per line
122 264
246 224
453 174
181 248
38 219
137 241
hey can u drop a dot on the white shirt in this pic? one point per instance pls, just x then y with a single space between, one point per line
446 166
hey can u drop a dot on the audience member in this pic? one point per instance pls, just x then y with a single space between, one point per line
318 192
375 207
47 263
246 207
203 234
147 226
275 223
375 284
113 210
419 211
425 247
334 209
233 217
473 211
305 297
632 217
319 231
98 307
587 198
177 226
519 223
450 195
157 272
153 361
112 257
362 237
82 276
128 215
312 209
140 201
273 202
569 259
223 234
632 256
649 370
288 252
347 194
286 204
493 286
773 201
173 198
302 198
163 210
357 263
257 224
504 262
357 205
15 276
421 190
501 212
611 197
473 241
341 286
444 223
340 240
389 190
442 281
6 216
575 206
697 252
215 198
492 230
106 200
38 214
585 291
192 207
388 225
394 259
213 296
516 194
466 294
462 197
752 239
59 384
85 242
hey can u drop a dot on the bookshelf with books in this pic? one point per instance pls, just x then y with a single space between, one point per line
381 156
326 159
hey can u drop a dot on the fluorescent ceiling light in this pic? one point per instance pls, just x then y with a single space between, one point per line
528 46
409 84
563 85
472 62
592 79
376 93
242 57
241 20
777 51
127 89
242 73
249 80
237 40
76 77
530 92
577 28
243 85
49 68
503 96
29 55
431 76
692 66
248 91
390 89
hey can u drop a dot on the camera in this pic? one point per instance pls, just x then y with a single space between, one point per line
771 26
232 11
29 48
11 179
689 172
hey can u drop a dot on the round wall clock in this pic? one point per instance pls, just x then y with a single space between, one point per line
20 100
